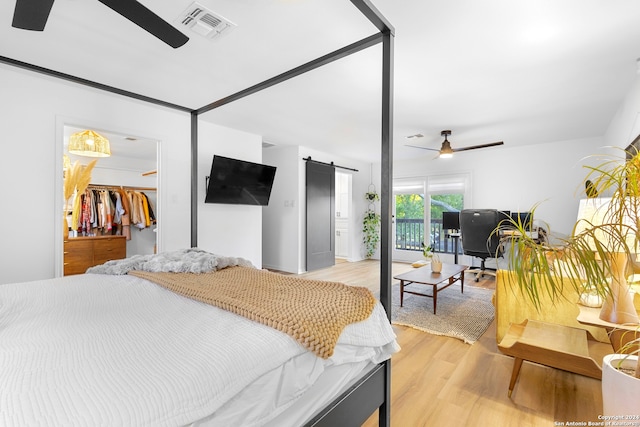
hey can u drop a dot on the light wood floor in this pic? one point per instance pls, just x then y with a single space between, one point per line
440 381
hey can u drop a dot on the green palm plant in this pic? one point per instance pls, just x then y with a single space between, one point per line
597 255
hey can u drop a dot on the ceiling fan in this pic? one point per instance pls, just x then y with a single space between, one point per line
33 15
445 150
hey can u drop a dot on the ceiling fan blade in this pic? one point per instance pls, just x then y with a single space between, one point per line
147 20
423 148
31 14
475 147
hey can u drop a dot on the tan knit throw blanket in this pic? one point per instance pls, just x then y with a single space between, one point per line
311 311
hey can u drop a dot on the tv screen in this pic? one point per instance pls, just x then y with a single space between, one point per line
239 182
451 220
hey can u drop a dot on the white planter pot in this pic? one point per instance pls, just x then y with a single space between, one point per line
620 392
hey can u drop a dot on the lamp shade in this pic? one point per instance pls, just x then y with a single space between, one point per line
89 143
607 221
607 227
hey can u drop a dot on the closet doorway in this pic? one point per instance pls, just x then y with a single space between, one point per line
108 225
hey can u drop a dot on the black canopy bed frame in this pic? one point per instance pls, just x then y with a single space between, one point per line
371 391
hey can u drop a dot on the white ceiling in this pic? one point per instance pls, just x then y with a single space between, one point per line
525 72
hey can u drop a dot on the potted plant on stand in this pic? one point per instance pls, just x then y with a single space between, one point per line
596 260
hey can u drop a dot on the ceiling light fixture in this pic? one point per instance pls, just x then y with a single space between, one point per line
89 143
445 151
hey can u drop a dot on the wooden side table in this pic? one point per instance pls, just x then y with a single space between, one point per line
558 346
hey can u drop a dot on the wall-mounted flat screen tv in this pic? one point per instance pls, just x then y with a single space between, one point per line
239 182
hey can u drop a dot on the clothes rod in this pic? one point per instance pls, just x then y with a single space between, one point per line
309 159
120 187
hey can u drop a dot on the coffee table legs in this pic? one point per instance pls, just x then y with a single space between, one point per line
435 297
434 293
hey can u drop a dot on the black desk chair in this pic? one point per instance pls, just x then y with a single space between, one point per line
479 240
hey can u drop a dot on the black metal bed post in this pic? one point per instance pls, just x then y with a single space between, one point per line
386 180
386 185
194 179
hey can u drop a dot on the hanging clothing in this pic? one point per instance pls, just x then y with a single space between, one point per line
112 211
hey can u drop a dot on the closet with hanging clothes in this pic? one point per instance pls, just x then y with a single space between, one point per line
109 217
114 210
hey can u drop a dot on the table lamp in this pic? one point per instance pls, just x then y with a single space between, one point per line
609 230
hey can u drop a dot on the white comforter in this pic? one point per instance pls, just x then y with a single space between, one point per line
118 350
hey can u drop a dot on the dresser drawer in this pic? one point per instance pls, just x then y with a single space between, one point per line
107 249
81 253
78 249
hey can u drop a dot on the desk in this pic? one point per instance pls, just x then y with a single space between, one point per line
456 238
450 274
515 233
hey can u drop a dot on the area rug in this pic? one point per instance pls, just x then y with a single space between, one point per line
459 315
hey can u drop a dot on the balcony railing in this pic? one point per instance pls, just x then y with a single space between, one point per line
410 235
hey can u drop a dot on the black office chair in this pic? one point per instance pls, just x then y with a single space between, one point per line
479 239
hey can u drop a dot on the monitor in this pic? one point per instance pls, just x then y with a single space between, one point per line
451 220
523 218
504 217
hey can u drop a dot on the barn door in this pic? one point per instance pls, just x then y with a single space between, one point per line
320 191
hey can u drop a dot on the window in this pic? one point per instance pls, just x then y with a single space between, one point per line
446 194
413 224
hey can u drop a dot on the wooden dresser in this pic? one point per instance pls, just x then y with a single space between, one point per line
81 253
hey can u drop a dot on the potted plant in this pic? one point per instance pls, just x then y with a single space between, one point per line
371 196
427 251
621 381
436 264
429 255
370 232
595 259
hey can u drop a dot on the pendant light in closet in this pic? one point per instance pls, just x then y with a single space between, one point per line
89 143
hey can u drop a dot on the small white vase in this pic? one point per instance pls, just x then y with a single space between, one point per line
620 391
436 266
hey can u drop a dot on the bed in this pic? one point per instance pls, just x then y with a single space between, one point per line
118 347
370 389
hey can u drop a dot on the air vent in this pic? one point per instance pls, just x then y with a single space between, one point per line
417 135
204 22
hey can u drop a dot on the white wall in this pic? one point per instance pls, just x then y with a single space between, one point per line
33 111
517 178
281 219
285 225
230 230
625 125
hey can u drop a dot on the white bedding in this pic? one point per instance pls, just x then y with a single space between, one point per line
119 350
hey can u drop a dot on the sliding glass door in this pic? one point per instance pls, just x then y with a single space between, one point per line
418 207
409 219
